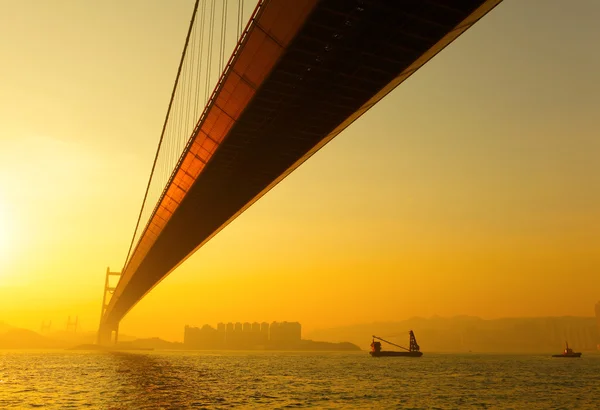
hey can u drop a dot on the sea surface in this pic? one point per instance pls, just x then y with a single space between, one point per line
176 380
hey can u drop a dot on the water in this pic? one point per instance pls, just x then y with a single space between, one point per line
153 380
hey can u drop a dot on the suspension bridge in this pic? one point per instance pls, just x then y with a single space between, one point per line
299 72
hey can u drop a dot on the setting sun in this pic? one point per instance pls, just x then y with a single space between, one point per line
8 236
5 233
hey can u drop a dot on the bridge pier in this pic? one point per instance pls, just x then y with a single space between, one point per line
108 335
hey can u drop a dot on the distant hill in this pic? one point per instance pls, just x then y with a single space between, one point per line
4 327
16 338
151 343
467 333
311 345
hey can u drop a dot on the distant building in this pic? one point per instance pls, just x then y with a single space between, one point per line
255 327
221 334
264 333
206 337
228 332
256 333
285 333
243 335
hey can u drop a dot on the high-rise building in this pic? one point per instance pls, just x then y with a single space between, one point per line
285 333
206 337
221 334
255 333
244 335
264 333
229 332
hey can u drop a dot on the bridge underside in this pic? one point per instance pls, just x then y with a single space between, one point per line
345 57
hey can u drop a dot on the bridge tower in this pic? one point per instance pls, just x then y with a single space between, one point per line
105 332
46 327
72 326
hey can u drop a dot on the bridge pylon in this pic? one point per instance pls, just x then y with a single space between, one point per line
46 327
72 326
105 331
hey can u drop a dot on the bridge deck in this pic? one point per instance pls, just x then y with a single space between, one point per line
308 73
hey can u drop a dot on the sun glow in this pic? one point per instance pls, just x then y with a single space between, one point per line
5 233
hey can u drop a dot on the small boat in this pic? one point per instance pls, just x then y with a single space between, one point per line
412 351
568 352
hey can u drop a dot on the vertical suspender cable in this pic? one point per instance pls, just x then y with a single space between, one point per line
241 19
224 36
223 28
191 76
175 121
239 29
188 69
202 19
221 36
210 45
162 132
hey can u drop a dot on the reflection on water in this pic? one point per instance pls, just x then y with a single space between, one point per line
281 380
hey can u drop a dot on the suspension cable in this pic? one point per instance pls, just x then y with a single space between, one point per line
187 39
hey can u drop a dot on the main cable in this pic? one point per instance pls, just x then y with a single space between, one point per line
187 39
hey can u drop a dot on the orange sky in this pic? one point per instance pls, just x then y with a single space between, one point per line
471 189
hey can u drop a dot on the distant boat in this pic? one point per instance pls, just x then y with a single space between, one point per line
568 352
412 351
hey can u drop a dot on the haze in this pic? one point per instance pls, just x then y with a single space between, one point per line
472 189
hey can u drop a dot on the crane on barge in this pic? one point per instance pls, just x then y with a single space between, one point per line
413 351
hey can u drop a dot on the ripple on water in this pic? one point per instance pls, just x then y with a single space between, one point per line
291 380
